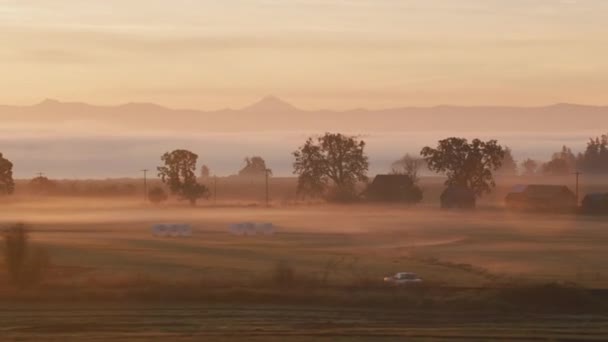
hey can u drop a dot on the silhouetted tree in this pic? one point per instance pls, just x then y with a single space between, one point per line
509 165
254 166
595 157
178 174
529 166
7 184
562 163
205 172
332 160
42 186
408 165
157 195
466 164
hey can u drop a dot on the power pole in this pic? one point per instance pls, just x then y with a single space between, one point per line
145 171
214 189
577 173
40 174
266 172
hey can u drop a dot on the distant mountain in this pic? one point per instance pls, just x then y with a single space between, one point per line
272 114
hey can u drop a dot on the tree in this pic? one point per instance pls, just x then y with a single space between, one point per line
178 174
595 157
157 195
7 184
205 172
42 186
254 167
509 165
466 164
530 167
562 163
408 165
331 162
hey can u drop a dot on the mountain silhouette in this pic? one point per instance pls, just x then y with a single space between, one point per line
272 113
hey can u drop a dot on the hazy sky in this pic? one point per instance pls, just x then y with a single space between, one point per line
314 53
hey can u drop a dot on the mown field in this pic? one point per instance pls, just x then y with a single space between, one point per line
104 240
105 259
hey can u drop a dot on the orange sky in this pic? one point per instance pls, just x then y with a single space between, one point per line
315 53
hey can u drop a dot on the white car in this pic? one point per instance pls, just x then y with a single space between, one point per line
403 278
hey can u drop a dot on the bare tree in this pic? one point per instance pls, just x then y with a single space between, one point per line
408 165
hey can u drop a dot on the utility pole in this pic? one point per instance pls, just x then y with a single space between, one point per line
266 172
214 189
40 174
145 171
577 173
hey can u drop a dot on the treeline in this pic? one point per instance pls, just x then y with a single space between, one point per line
335 167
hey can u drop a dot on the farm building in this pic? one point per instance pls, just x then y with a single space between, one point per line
596 203
458 197
541 197
393 188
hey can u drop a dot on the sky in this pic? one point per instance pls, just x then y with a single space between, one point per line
337 54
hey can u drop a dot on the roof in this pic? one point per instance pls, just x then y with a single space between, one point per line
392 179
541 190
597 196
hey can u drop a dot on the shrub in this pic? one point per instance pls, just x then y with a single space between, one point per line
15 251
157 195
25 266
284 274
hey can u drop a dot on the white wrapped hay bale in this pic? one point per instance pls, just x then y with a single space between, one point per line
172 230
251 229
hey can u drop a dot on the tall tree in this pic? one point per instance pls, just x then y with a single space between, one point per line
408 165
562 163
178 174
595 157
7 184
466 164
530 167
205 172
509 165
254 166
332 160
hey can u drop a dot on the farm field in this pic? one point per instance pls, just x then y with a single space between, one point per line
112 279
171 322
109 240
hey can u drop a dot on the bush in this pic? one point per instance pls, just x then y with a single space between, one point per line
284 274
157 195
25 266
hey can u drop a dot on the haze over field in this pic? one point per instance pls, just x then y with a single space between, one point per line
78 140
423 70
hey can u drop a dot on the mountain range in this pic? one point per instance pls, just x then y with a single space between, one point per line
274 114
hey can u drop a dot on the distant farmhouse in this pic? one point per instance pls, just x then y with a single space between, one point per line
595 204
538 197
458 197
393 188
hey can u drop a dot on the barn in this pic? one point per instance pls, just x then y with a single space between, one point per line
393 188
458 197
595 204
541 197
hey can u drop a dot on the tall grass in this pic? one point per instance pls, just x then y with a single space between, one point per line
25 264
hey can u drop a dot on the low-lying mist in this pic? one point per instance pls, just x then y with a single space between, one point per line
80 152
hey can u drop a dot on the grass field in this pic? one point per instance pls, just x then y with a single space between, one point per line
360 241
105 246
